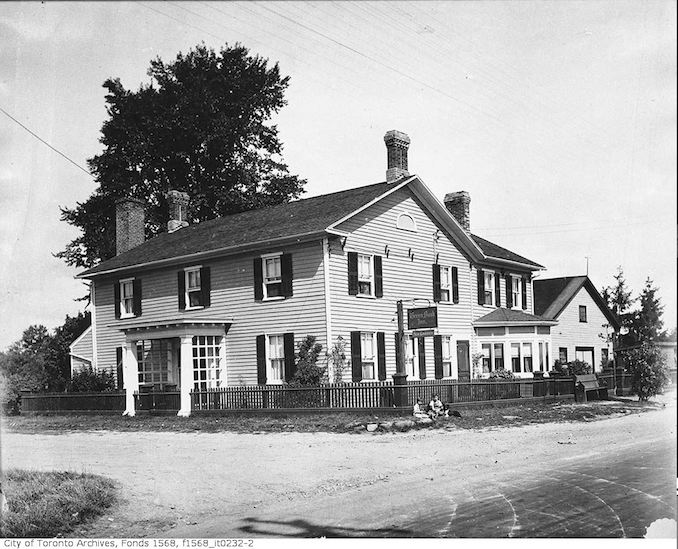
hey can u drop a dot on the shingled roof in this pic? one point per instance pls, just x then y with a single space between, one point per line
502 316
490 249
299 218
297 221
552 295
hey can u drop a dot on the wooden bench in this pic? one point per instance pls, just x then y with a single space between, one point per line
589 387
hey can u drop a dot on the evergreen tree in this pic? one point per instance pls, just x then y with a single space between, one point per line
648 324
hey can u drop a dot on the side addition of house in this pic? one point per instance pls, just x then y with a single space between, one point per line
585 323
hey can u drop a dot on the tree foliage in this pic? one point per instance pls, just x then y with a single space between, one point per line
202 126
647 323
308 373
338 359
649 373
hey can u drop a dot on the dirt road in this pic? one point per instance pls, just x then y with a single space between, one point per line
242 485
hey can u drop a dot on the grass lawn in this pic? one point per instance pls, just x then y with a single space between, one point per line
44 505
472 418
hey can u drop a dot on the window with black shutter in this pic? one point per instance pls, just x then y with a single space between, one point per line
356 358
437 297
261 359
352 273
381 355
438 356
455 285
524 293
509 292
127 297
422 358
481 287
137 297
497 290
119 377
290 364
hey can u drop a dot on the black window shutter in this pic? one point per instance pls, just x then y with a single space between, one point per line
352 273
261 359
422 358
118 367
290 365
481 287
378 277
509 292
381 355
497 290
205 286
116 298
436 283
356 357
136 289
438 356
524 292
258 279
286 274
455 285
181 289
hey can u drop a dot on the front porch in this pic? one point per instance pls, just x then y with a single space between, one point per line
164 363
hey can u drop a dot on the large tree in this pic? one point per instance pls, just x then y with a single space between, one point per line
203 126
619 300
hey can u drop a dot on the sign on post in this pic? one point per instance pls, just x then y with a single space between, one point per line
423 317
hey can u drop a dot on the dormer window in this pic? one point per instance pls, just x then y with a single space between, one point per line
406 223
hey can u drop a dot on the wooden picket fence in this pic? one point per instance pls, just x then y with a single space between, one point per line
111 401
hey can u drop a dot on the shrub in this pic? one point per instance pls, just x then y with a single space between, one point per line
501 375
649 373
560 367
337 357
91 381
579 368
308 372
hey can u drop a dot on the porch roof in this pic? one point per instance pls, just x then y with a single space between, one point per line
509 317
174 327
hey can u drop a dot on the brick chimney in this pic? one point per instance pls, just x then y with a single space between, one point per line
397 144
129 224
178 208
458 205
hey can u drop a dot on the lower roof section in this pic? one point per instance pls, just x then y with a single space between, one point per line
510 317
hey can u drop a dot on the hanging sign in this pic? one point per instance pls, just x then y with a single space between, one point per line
424 317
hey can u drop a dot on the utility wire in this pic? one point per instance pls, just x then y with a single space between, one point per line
45 142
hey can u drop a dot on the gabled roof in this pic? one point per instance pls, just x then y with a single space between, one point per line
552 295
503 317
297 221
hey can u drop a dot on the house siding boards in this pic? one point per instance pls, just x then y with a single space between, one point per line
404 277
571 333
232 297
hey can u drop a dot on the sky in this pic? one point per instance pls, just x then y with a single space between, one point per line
559 119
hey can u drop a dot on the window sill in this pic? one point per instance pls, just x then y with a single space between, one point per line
195 308
276 298
125 317
366 296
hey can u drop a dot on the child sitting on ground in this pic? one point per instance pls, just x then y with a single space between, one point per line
417 410
436 408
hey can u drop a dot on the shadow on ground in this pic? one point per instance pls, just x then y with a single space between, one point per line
299 528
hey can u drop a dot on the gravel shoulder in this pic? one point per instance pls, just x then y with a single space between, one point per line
179 483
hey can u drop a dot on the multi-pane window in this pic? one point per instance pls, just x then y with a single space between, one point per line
367 349
272 277
486 350
527 357
193 288
154 357
445 283
206 362
447 356
127 298
515 357
562 354
515 291
582 313
365 275
489 288
276 359
498 356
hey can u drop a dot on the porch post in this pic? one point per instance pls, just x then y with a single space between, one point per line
186 376
130 376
